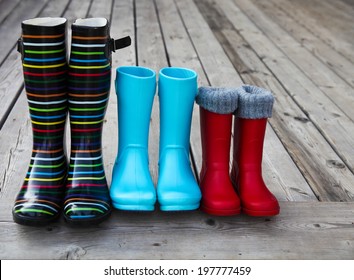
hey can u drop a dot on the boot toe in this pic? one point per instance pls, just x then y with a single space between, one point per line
86 214
268 207
223 207
33 215
134 200
221 203
179 200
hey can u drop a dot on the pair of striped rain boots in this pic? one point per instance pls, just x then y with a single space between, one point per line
53 88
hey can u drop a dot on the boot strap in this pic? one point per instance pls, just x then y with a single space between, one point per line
120 43
113 44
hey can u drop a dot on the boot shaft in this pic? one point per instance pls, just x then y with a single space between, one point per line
135 88
248 143
89 82
217 105
177 91
216 139
43 50
255 107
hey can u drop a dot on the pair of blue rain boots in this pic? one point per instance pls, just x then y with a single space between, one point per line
132 187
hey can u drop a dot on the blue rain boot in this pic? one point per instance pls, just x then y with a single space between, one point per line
132 187
177 188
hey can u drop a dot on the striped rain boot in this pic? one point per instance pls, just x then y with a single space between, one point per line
87 199
43 50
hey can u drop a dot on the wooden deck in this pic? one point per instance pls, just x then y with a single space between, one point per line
303 51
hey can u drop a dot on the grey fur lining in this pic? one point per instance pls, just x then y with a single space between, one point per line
217 99
254 102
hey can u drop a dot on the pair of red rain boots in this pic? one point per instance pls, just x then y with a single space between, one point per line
224 193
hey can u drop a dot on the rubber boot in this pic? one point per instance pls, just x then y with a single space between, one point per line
255 106
177 188
216 110
87 199
132 187
42 45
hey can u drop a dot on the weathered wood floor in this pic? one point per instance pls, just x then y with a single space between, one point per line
303 51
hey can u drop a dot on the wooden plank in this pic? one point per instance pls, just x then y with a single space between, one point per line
100 8
275 174
11 80
10 29
15 153
337 17
307 147
335 88
77 9
301 231
343 8
336 127
11 83
220 70
181 53
122 24
333 60
6 7
349 3
321 28
302 140
151 54
313 148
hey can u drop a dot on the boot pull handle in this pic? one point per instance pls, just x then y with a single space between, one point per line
120 43
20 46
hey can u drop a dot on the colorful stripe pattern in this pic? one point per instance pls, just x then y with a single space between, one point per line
40 198
87 196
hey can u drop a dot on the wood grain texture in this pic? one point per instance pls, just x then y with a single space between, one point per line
338 92
151 53
6 7
322 24
122 24
336 127
10 28
329 56
306 157
274 178
301 231
11 78
302 139
304 93
11 83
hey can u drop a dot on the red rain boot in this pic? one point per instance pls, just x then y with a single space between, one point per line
249 133
219 197
216 108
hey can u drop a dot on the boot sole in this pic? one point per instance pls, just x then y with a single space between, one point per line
147 207
190 207
33 222
87 222
221 212
255 213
